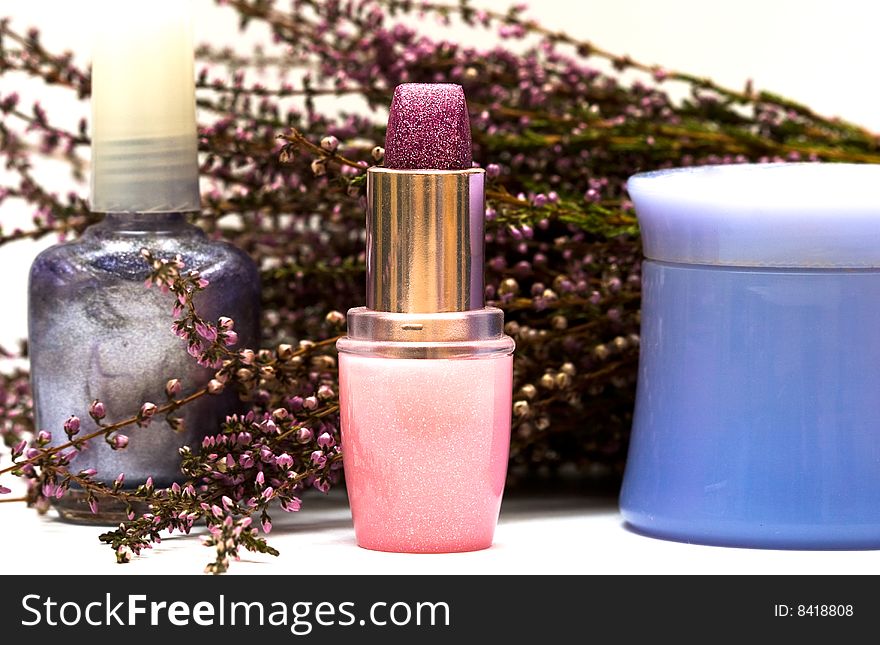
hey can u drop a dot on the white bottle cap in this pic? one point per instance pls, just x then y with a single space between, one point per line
144 142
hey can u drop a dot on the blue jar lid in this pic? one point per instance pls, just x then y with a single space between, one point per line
812 215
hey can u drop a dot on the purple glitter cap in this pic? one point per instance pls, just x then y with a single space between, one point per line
428 128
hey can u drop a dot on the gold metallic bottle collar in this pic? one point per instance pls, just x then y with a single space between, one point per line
425 240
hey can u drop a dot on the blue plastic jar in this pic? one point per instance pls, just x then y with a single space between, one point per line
757 419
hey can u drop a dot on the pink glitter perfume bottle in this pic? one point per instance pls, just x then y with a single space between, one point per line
426 370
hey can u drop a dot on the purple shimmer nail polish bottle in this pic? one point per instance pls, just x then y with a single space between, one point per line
95 330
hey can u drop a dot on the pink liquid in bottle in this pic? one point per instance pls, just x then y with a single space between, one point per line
426 447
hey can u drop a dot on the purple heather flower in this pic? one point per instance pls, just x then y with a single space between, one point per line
206 331
230 338
303 435
660 74
148 410
4 490
310 403
325 440
19 448
93 506
321 485
97 410
44 437
330 143
319 167
493 170
71 426
326 392
173 387
284 461
9 102
119 441
318 458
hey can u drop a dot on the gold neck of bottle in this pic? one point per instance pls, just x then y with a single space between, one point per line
425 240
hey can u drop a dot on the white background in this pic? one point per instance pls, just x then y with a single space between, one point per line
821 53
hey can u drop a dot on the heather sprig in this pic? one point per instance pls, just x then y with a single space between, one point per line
254 463
286 443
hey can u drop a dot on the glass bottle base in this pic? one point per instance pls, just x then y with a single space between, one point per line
757 534
390 545
74 508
